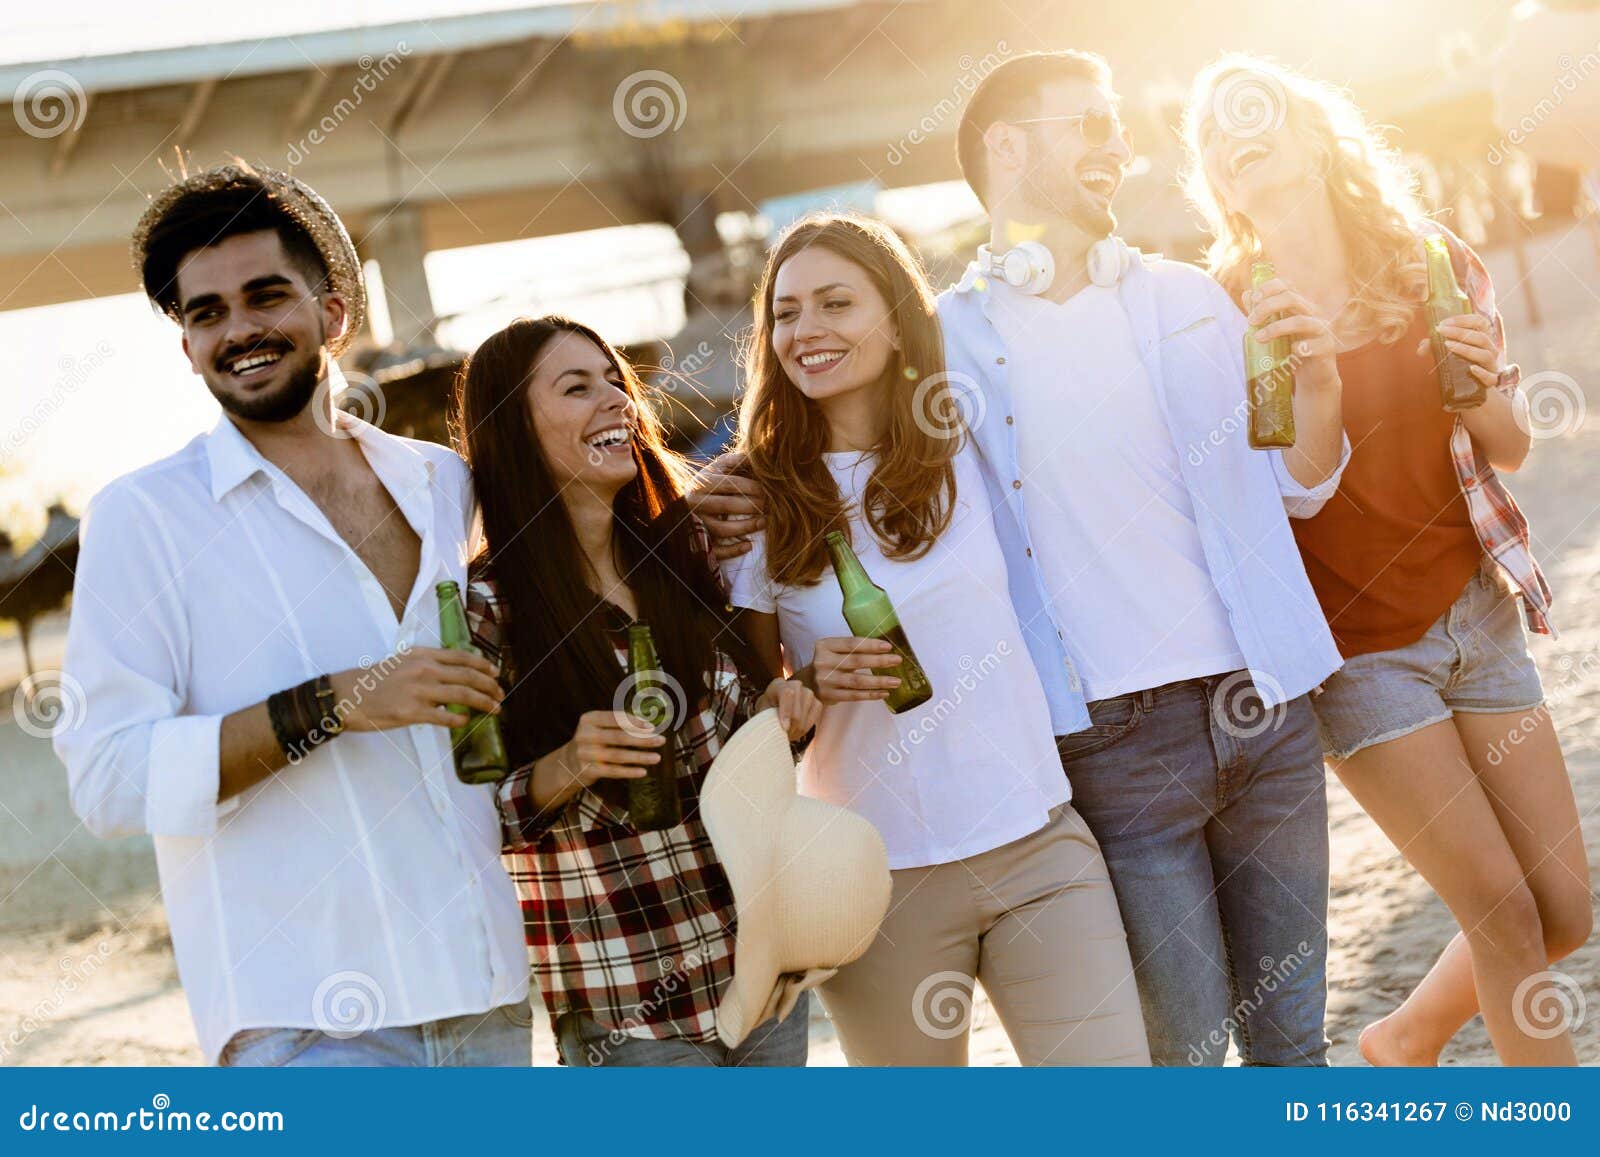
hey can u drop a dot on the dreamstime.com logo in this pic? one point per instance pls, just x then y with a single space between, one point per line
75 371
654 696
649 103
49 702
973 672
348 1004
160 1117
1248 103
691 363
1573 73
941 1006
1238 705
1272 975
1556 406
371 675
972 73
373 73
947 405
1547 1004
48 103
673 974
75 974
362 397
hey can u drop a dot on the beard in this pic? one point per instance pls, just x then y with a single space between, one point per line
278 405
1058 193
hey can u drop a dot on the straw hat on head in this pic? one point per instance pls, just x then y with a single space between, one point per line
810 879
296 200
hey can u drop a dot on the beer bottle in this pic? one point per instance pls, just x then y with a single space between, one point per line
1269 377
653 799
1459 389
871 616
479 750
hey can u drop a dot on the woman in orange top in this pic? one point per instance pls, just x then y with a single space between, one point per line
1436 722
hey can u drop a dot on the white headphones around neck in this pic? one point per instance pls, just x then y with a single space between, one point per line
1029 268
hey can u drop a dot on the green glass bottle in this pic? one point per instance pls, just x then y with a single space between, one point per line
1269 380
1459 389
871 616
653 799
479 749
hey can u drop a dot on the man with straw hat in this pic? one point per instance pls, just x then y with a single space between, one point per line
255 633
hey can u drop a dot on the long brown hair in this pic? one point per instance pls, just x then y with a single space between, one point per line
909 499
1372 193
555 626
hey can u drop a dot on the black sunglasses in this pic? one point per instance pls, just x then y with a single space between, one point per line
1097 127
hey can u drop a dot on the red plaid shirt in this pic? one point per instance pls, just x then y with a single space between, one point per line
1501 526
632 929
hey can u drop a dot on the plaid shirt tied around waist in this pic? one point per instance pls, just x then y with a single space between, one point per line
1501 527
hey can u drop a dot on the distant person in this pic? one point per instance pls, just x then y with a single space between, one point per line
255 629
1436 722
1152 566
585 533
847 425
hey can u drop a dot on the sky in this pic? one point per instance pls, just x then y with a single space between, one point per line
30 32
96 388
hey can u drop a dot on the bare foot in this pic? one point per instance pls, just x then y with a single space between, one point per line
1383 1045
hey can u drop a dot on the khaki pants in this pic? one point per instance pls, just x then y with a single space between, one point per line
1035 921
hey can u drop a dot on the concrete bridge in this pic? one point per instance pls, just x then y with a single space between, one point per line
575 115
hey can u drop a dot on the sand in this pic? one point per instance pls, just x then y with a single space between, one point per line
86 968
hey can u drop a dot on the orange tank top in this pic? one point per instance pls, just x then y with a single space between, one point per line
1394 547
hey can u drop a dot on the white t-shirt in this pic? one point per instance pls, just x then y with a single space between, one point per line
1109 514
973 768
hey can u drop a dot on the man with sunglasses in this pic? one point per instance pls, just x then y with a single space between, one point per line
1152 563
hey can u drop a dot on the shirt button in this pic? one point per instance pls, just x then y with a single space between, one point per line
1016 484
999 361
1010 421
1030 552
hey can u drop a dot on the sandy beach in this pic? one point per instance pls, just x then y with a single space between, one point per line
86 968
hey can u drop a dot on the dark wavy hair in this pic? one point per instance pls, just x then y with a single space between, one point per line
559 649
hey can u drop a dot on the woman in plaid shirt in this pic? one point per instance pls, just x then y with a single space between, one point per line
631 932
1436 722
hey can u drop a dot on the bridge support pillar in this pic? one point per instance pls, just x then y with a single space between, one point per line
396 244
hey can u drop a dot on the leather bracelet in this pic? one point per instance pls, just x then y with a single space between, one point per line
304 716
280 711
326 706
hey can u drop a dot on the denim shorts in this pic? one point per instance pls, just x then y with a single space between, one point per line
1473 659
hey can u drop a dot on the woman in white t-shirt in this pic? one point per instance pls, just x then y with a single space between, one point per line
848 425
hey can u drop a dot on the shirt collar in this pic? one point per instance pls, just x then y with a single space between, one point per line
233 458
974 279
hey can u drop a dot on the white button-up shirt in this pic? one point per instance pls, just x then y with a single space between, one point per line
1189 338
361 888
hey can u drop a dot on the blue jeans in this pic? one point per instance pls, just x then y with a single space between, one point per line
771 1044
500 1037
1212 815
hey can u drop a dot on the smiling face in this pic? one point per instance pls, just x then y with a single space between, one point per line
832 331
583 415
253 327
1247 171
1056 171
